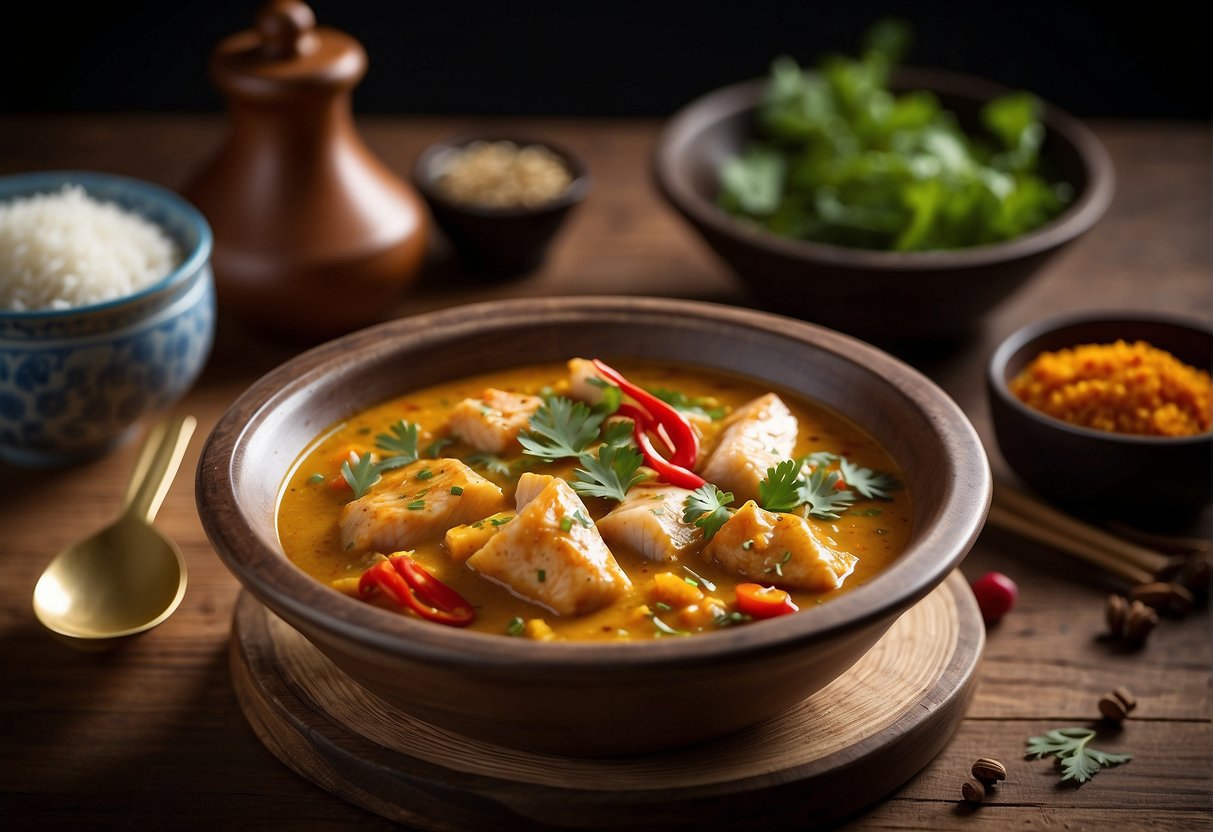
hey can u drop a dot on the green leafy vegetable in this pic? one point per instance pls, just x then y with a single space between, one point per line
1079 762
820 495
780 491
401 443
489 462
560 428
707 508
612 396
839 158
362 475
786 489
617 433
874 485
610 473
434 448
696 406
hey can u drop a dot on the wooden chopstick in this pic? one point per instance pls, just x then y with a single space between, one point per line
1020 514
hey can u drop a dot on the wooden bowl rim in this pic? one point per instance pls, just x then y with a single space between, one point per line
1026 337
268 574
692 119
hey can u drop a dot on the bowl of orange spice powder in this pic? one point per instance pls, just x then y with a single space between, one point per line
1109 413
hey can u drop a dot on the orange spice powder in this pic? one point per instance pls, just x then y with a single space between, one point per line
1124 388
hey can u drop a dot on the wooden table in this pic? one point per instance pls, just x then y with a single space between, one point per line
151 735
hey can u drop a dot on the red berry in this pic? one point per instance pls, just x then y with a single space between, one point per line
996 594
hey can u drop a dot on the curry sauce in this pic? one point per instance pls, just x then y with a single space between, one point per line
692 593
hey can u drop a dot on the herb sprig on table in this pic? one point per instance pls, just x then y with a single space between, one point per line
1079 762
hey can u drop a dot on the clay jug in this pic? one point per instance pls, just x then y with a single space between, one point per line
314 236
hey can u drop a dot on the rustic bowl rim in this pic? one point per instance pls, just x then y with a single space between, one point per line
267 573
688 122
1028 335
424 175
194 260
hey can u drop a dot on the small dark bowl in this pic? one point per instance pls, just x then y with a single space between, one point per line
1095 472
498 241
879 295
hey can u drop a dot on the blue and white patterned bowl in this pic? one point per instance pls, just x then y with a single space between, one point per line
75 382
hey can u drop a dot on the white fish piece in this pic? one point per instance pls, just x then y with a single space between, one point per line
581 370
552 554
415 502
649 520
529 487
758 435
491 423
776 548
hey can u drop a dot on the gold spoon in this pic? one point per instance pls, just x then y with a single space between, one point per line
126 578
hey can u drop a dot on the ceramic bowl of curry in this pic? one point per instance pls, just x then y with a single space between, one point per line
633 691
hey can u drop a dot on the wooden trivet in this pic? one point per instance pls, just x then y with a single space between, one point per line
840 750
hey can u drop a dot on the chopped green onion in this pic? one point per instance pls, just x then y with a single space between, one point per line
456 490
566 523
416 505
543 575
424 474
515 627
316 478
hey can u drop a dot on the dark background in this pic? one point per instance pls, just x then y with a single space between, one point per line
1140 59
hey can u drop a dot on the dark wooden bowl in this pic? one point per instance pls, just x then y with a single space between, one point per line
878 295
590 699
498 241
1149 479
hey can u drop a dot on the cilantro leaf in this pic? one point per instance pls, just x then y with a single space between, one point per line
695 406
838 157
560 428
617 433
707 508
609 474
819 494
434 448
401 443
362 475
818 459
489 462
780 491
612 396
1069 745
874 485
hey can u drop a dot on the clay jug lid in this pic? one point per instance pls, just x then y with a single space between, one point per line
286 52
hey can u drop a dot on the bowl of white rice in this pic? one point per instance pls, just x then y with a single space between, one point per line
107 310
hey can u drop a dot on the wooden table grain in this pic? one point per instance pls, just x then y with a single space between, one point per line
150 735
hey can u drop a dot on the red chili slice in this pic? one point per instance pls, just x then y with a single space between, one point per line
684 440
668 471
409 585
760 601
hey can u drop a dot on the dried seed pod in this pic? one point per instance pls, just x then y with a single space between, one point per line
973 791
1127 699
1195 577
1116 610
1139 621
989 771
1164 597
1112 708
